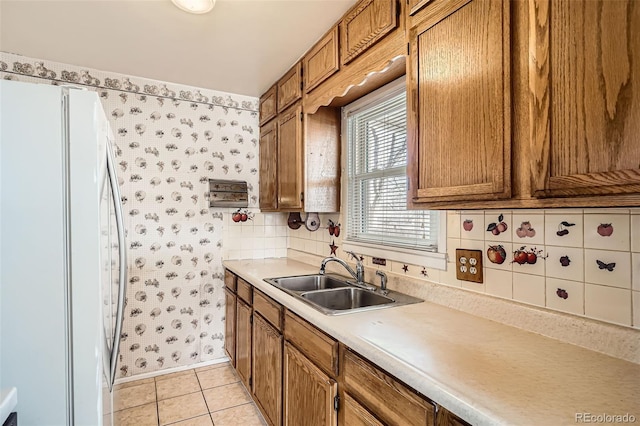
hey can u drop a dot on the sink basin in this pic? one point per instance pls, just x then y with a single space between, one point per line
335 295
304 283
346 299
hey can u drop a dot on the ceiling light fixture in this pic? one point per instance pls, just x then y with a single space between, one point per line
195 6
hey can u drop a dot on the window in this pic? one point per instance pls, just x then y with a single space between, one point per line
378 222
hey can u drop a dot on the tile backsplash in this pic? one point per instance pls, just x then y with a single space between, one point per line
582 262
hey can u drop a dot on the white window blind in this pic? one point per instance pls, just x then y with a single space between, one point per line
377 182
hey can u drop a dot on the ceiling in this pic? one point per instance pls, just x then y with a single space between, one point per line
242 46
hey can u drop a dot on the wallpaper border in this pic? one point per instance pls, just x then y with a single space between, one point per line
35 68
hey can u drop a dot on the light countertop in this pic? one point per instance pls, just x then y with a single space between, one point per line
481 370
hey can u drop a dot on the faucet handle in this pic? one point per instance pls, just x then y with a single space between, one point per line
353 256
383 280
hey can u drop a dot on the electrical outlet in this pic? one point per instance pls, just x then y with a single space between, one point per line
469 265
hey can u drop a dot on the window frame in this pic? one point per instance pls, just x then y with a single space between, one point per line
432 259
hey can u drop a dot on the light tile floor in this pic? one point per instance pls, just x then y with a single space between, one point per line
204 396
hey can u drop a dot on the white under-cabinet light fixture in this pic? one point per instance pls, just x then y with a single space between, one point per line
195 6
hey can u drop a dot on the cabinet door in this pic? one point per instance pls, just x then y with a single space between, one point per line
356 415
321 61
268 105
458 102
365 24
267 369
585 97
290 178
243 342
290 87
230 325
309 393
268 166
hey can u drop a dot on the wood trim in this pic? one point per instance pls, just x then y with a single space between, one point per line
481 188
539 93
357 415
417 5
631 200
230 325
320 47
349 53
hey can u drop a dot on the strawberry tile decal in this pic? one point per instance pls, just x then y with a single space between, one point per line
565 261
467 225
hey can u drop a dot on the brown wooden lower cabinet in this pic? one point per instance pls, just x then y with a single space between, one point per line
230 325
267 370
243 342
309 393
294 375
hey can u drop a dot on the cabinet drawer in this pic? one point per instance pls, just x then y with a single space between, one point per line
388 399
245 290
317 346
270 310
268 105
230 280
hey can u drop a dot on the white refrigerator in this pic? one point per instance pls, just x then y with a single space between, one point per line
62 255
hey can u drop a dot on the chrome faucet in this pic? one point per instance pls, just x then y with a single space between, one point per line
357 275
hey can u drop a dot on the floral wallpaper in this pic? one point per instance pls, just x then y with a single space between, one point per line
169 140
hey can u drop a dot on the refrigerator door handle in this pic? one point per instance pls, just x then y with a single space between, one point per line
113 180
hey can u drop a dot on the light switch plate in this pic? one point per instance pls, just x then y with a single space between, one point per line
469 265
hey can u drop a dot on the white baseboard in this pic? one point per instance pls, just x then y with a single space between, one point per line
170 370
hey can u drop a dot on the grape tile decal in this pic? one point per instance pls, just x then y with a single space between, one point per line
169 140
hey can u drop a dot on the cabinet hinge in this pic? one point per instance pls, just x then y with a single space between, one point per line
301 116
336 403
250 381
251 319
302 196
408 49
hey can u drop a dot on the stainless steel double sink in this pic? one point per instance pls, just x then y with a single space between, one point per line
334 294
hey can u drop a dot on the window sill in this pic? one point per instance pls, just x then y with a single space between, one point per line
413 257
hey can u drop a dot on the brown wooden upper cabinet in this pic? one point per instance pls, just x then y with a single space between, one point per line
322 60
585 97
290 159
268 105
290 87
458 102
365 24
269 166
